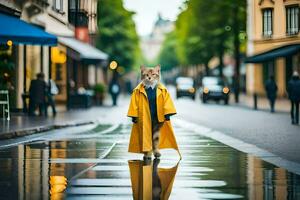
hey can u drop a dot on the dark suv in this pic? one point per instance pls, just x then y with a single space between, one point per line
185 86
214 88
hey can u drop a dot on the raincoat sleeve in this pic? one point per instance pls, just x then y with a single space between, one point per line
169 108
133 106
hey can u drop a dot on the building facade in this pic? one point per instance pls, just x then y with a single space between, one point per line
151 44
273 31
76 62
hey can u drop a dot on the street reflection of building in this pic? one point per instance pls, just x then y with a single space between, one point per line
32 172
273 36
36 171
266 181
230 168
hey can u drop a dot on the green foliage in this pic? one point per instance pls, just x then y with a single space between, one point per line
7 74
7 68
207 28
100 88
181 31
117 34
167 57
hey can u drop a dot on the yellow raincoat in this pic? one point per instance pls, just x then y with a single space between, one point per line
141 133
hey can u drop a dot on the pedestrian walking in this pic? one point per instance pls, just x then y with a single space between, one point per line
114 89
51 92
271 90
37 95
294 96
128 86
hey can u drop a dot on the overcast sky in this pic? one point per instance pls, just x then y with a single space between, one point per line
147 11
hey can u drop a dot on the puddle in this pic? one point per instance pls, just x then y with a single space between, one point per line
71 169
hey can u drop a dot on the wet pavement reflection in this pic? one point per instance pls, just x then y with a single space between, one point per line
100 168
150 182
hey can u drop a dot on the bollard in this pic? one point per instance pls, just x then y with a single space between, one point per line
255 101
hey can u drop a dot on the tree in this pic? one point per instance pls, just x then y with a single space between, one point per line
117 35
238 23
204 29
167 57
181 32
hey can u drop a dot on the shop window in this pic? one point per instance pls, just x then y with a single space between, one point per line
292 20
267 22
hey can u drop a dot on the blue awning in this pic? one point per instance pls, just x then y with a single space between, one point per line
283 51
21 32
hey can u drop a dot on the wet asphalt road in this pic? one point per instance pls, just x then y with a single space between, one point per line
91 162
87 163
269 131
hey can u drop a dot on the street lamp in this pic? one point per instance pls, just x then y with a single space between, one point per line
9 43
113 65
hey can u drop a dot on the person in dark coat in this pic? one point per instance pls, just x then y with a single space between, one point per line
52 90
37 95
294 95
114 89
271 90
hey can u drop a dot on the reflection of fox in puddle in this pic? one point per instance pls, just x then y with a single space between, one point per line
150 182
156 184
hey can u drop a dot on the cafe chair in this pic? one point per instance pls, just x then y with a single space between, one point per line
4 101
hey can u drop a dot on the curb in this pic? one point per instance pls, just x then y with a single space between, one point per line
39 129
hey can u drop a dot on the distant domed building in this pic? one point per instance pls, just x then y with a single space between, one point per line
152 43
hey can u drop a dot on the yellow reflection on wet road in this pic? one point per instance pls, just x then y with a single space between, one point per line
150 182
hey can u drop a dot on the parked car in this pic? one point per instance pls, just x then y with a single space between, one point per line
214 88
185 86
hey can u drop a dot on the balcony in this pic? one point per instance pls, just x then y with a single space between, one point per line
42 3
33 7
79 18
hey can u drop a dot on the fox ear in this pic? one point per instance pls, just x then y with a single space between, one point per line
142 67
157 68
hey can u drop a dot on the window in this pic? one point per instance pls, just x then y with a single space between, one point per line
58 5
72 4
267 22
292 20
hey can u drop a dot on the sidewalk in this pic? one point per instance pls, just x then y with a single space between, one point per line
281 105
21 124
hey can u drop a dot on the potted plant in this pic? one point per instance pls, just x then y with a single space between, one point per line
99 90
